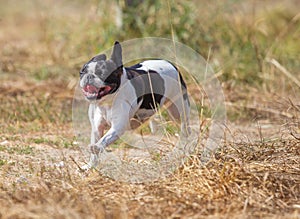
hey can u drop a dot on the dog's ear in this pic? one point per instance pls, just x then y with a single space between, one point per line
116 55
99 58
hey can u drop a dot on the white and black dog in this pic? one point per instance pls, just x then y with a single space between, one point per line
118 95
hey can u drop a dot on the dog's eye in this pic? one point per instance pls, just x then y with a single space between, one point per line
82 71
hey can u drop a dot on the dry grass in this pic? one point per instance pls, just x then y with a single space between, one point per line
255 175
246 180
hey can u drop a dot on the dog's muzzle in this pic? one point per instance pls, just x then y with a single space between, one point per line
91 92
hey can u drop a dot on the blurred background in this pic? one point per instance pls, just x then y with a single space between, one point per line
253 46
46 39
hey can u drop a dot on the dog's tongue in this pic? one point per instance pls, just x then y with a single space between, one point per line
91 89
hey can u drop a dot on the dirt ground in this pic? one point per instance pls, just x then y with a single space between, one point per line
256 174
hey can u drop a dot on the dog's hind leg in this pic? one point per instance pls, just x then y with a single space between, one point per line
179 111
155 124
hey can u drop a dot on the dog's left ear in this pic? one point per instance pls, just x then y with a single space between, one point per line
116 55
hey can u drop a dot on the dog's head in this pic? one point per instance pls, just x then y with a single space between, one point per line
100 77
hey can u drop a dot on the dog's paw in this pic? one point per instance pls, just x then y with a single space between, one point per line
93 162
85 167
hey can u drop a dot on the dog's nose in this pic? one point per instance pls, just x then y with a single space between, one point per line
90 77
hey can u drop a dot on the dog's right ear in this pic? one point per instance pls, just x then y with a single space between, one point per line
99 58
116 55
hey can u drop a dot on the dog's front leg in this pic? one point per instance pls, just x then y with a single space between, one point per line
98 125
110 137
120 117
94 157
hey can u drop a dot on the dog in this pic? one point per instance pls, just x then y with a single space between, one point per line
120 95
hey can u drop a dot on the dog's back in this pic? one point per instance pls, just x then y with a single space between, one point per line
165 81
166 84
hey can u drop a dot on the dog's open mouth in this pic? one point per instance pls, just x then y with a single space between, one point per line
92 92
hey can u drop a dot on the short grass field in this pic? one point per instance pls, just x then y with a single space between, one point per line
253 47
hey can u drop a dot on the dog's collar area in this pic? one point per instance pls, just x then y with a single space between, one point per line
118 71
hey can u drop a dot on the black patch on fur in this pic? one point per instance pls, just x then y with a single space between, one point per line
142 85
138 65
114 78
